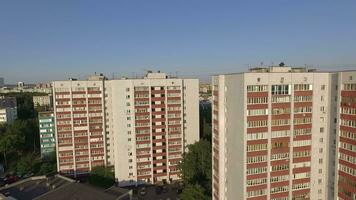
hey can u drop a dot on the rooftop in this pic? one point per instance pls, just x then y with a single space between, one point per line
59 188
280 69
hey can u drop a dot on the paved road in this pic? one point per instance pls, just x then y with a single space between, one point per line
151 194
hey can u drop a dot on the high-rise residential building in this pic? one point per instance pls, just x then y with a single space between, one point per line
153 120
139 126
47 133
345 182
79 121
8 109
272 129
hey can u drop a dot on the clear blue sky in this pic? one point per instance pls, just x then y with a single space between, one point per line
46 40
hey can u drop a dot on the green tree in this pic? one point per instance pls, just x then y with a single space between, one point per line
193 192
102 176
26 163
196 166
205 121
11 140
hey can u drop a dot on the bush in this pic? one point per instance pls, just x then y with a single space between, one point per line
102 176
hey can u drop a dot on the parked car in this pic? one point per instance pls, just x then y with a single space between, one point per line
143 191
159 189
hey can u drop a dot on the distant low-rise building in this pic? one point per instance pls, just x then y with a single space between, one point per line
8 109
47 133
44 100
20 84
8 115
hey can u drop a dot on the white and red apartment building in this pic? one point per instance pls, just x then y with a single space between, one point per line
139 126
345 182
272 129
80 125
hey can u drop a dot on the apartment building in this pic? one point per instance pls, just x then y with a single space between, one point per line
345 182
47 133
272 128
79 121
8 109
153 120
43 101
142 126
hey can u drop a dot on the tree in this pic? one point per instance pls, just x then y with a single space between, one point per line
26 163
102 176
193 192
11 140
196 166
205 121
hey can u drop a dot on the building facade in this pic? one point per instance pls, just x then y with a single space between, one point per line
154 119
43 101
345 182
142 125
47 133
8 109
272 128
79 121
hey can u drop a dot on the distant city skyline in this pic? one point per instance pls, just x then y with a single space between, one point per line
43 41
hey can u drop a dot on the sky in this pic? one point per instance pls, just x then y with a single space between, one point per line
43 40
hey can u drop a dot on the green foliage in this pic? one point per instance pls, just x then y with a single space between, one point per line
102 176
196 166
193 192
21 137
205 121
47 168
27 163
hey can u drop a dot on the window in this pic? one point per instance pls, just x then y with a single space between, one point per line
299 154
322 87
322 108
306 120
255 112
257 88
280 156
257 100
302 109
350 87
280 89
256 136
256 159
302 87
300 186
280 99
258 181
280 111
280 122
283 133
253 124
306 131
303 98
279 189
257 170
256 147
